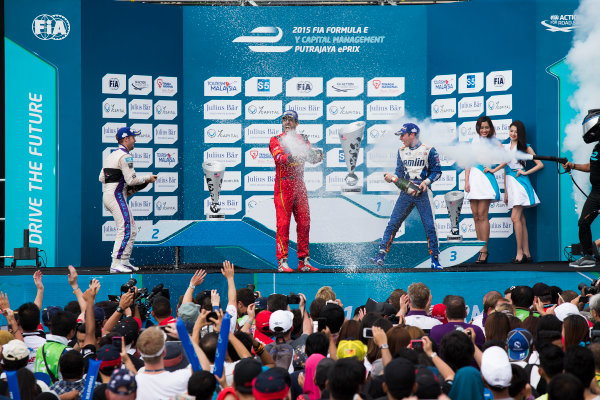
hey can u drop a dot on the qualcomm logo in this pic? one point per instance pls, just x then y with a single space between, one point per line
269 34
50 27
560 23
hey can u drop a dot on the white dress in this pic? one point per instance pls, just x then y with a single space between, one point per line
519 189
483 185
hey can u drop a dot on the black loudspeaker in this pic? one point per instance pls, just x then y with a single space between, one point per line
26 252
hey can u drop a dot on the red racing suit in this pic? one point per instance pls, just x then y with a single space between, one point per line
290 193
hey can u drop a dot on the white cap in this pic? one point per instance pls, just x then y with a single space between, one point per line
566 309
15 350
281 321
495 367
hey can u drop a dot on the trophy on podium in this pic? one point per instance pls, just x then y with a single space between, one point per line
351 136
454 202
213 172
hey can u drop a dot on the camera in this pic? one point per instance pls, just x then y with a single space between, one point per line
128 287
585 289
293 298
253 288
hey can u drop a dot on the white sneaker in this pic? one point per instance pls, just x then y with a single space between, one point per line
117 268
127 264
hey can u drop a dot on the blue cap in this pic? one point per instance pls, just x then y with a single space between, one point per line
125 132
48 313
122 378
408 128
290 113
519 343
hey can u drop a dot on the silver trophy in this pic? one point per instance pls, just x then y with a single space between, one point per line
454 202
213 172
351 136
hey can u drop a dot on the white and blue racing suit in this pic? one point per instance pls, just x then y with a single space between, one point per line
418 164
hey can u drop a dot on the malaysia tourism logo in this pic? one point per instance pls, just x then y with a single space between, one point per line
267 36
50 27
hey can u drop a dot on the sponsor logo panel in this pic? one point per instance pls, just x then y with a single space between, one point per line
142 157
381 157
502 127
50 27
232 180
141 206
222 109
165 205
314 132
223 86
259 181
377 131
146 133
443 84
261 133
500 227
385 87
497 81
467 131
313 180
443 227
258 157
114 83
114 108
261 35
304 87
109 131
166 133
469 107
376 183
140 109
467 228
222 133
333 134
263 109
446 182
345 110
166 182
443 108
564 23
471 82
165 86
165 109
230 156
345 87
499 104
308 110
385 109
335 180
253 201
230 204
263 86
166 157
445 131
337 159
140 85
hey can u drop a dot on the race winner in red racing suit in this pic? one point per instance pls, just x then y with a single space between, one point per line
290 150
119 181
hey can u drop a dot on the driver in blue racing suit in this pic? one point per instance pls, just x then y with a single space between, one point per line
421 165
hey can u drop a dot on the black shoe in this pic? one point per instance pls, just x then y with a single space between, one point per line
517 261
480 259
527 260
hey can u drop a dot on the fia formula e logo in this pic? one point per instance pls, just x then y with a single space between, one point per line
264 34
50 27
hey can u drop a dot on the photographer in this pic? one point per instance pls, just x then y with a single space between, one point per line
589 212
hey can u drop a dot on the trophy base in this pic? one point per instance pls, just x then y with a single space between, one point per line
216 217
351 189
454 238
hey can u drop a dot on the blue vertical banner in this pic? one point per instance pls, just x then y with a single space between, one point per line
31 150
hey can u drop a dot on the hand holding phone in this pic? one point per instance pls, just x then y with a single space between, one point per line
368 333
416 344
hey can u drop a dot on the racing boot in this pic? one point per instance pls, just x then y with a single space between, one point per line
587 261
304 265
435 263
379 259
117 267
283 265
127 264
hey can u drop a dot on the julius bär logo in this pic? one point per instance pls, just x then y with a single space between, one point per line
264 34
50 27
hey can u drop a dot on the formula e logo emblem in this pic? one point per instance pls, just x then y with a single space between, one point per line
264 34
50 27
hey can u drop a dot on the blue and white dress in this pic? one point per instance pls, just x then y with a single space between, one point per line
519 189
483 185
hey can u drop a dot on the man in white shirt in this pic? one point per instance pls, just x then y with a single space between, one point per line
419 296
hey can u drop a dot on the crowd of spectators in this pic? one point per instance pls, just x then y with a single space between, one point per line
528 343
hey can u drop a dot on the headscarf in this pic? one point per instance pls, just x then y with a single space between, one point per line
310 388
467 385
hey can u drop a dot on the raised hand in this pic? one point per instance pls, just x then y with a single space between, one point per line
72 276
227 269
198 277
37 278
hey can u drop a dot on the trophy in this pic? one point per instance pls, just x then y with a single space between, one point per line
454 202
350 137
213 172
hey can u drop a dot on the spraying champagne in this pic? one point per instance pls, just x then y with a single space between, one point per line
407 186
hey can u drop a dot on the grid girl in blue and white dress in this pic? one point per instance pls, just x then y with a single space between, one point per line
518 192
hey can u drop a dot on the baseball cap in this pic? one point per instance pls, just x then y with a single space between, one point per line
109 356
262 332
175 357
128 328
382 308
495 367
269 385
189 312
564 310
48 313
5 337
351 348
408 128
122 378
125 132
15 350
261 304
290 113
439 312
244 373
281 321
99 314
519 343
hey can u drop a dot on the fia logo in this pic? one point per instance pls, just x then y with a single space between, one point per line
113 83
499 80
50 27
304 87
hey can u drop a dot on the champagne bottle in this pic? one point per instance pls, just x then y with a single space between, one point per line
407 186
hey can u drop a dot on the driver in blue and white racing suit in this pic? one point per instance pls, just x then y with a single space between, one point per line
421 165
